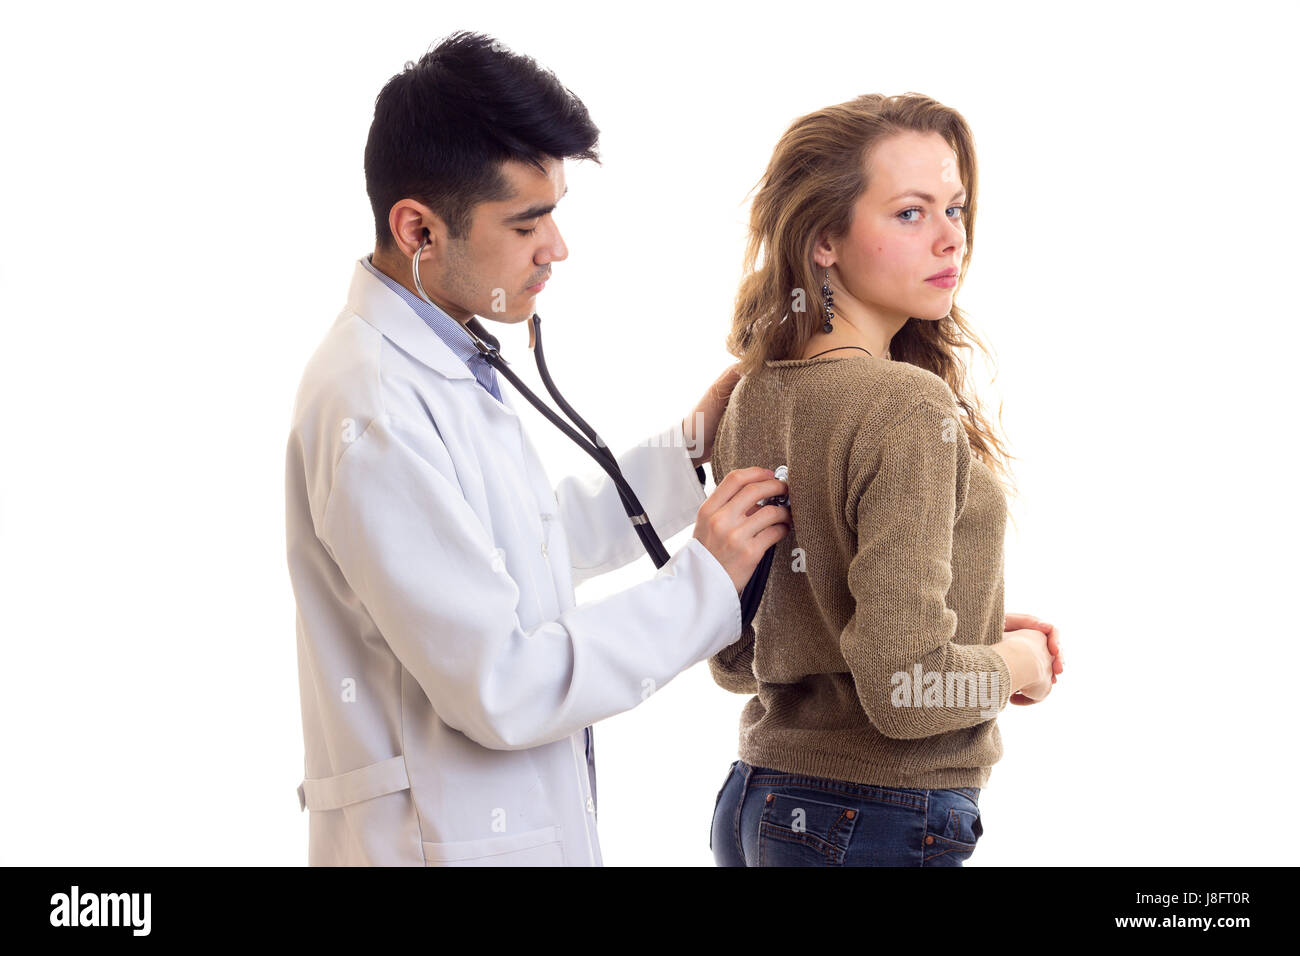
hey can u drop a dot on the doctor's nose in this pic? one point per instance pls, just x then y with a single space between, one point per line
554 251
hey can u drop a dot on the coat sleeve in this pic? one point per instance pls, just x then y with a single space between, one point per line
906 494
428 574
600 535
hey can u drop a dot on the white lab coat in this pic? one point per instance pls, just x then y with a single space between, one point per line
446 673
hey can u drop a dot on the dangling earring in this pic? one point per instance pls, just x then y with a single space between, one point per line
828 301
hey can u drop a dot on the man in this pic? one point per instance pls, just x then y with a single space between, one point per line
448 679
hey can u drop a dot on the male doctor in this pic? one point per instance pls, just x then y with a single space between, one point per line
448 678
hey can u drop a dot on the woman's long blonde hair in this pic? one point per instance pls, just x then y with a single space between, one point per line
816 175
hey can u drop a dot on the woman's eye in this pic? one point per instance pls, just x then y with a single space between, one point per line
526 232
918 209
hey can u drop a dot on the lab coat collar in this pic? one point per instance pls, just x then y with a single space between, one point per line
384 309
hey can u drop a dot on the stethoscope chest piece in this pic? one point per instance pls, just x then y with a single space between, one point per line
782 473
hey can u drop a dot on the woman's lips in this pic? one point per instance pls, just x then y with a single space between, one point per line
943 282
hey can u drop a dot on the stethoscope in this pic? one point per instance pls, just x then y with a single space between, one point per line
593 446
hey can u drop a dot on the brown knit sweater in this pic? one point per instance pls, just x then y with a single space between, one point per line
869 653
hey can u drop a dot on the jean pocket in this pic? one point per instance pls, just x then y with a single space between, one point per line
725 781
953 836
795 830
952 826
963 828
718 799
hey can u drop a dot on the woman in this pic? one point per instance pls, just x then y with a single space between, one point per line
880 655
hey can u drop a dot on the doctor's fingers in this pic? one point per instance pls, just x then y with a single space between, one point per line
762 530
732 484
733 518
773 517
740 499
745 538
760 495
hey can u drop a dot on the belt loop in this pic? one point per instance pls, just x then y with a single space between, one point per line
353 786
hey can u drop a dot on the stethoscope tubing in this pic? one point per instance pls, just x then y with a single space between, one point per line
592 444
594 447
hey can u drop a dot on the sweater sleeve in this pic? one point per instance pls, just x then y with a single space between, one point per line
733 666
906 492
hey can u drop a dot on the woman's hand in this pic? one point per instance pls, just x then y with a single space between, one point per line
1015 622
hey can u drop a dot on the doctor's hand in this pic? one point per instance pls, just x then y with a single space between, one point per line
737 531
700 427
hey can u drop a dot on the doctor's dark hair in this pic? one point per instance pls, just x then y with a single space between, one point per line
443 126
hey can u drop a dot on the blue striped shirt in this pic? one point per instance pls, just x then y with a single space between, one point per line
446 328
456 339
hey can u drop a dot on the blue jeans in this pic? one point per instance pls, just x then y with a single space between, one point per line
764 817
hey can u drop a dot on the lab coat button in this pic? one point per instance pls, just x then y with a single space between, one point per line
591 806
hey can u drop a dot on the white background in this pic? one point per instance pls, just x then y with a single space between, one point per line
182 205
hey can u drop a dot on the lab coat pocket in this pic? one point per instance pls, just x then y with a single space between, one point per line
542 847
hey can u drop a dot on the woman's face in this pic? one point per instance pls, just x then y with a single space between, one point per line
906 227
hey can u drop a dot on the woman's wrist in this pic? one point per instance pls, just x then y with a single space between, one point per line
1012 651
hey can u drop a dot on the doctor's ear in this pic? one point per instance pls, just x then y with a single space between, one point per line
411 223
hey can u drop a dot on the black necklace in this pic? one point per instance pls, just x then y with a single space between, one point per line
840 347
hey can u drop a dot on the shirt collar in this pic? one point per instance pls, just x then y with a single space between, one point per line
448 329
382 307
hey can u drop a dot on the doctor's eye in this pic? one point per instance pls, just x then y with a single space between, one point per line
526 232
